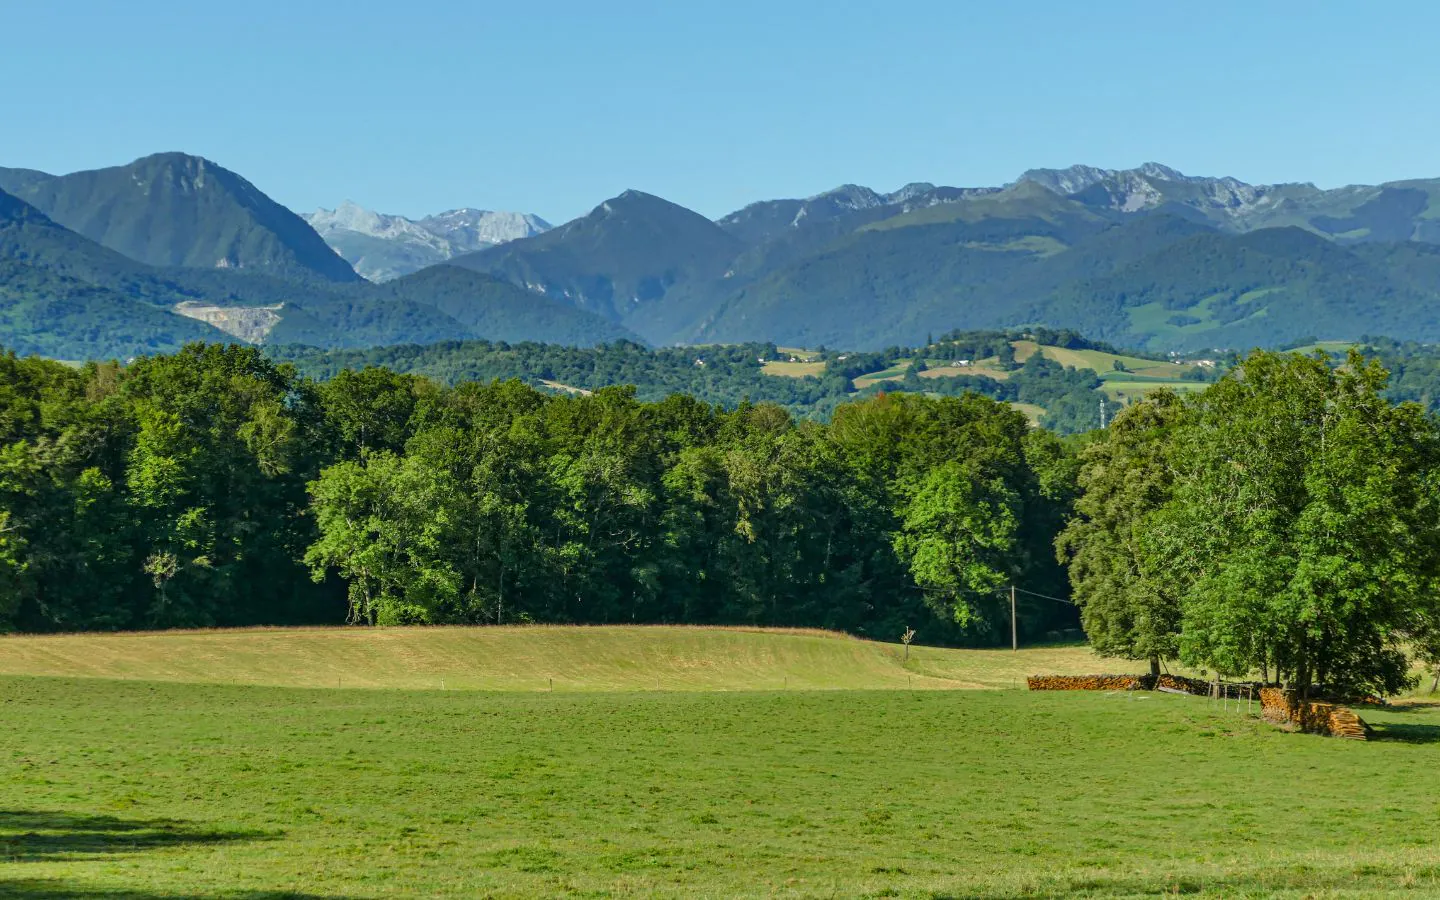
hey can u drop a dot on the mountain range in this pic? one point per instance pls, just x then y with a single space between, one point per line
381 247
67 296
170 248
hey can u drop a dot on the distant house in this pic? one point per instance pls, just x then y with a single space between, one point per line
960 363
1207 363
699 361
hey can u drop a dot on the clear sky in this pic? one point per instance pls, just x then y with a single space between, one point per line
551 107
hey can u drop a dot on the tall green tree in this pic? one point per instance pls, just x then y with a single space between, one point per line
1128 598
1303 531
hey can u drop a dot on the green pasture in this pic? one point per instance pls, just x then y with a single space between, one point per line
673 763
154 791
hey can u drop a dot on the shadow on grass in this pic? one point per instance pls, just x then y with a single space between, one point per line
34 835
56 889
1405 732
1412 706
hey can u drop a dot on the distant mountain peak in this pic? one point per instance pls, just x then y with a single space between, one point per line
1161 171
851 196
176 209
382 247
909 192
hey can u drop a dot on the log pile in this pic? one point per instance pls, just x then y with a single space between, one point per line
1185 685
1314 716
1277 705
1344 723
1089 682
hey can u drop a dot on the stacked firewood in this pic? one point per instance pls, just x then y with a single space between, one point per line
1185 685
1088 682
1344 723
1316 717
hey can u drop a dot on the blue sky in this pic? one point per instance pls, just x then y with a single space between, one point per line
552 107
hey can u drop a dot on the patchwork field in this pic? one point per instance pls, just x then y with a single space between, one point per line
1138 377
155 790
1099 361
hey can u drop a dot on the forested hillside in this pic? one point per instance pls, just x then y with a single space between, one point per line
1144 258
1068 396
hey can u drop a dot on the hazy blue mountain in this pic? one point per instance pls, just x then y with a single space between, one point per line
171 209
619 261
1026 255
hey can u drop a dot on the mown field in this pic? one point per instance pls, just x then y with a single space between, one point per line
536 658
146 790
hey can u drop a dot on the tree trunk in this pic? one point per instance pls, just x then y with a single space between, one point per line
1154 667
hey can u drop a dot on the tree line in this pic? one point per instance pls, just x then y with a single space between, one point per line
1281 524
217 487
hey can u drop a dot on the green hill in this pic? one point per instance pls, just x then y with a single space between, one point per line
171 209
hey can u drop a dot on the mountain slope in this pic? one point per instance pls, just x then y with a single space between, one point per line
382 247
497 310
171 209
47 306
893 280
1265 287
618 261
63 295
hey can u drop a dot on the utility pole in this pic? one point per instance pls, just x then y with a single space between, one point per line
1014 629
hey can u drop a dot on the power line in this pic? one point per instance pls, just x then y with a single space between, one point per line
1044 596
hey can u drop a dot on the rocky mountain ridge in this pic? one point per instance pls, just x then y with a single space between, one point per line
382 247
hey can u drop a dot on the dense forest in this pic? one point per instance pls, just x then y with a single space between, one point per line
217 487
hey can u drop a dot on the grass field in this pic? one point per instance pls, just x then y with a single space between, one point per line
793 369
597 658
151 790
943 369
1340 347
1032 411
